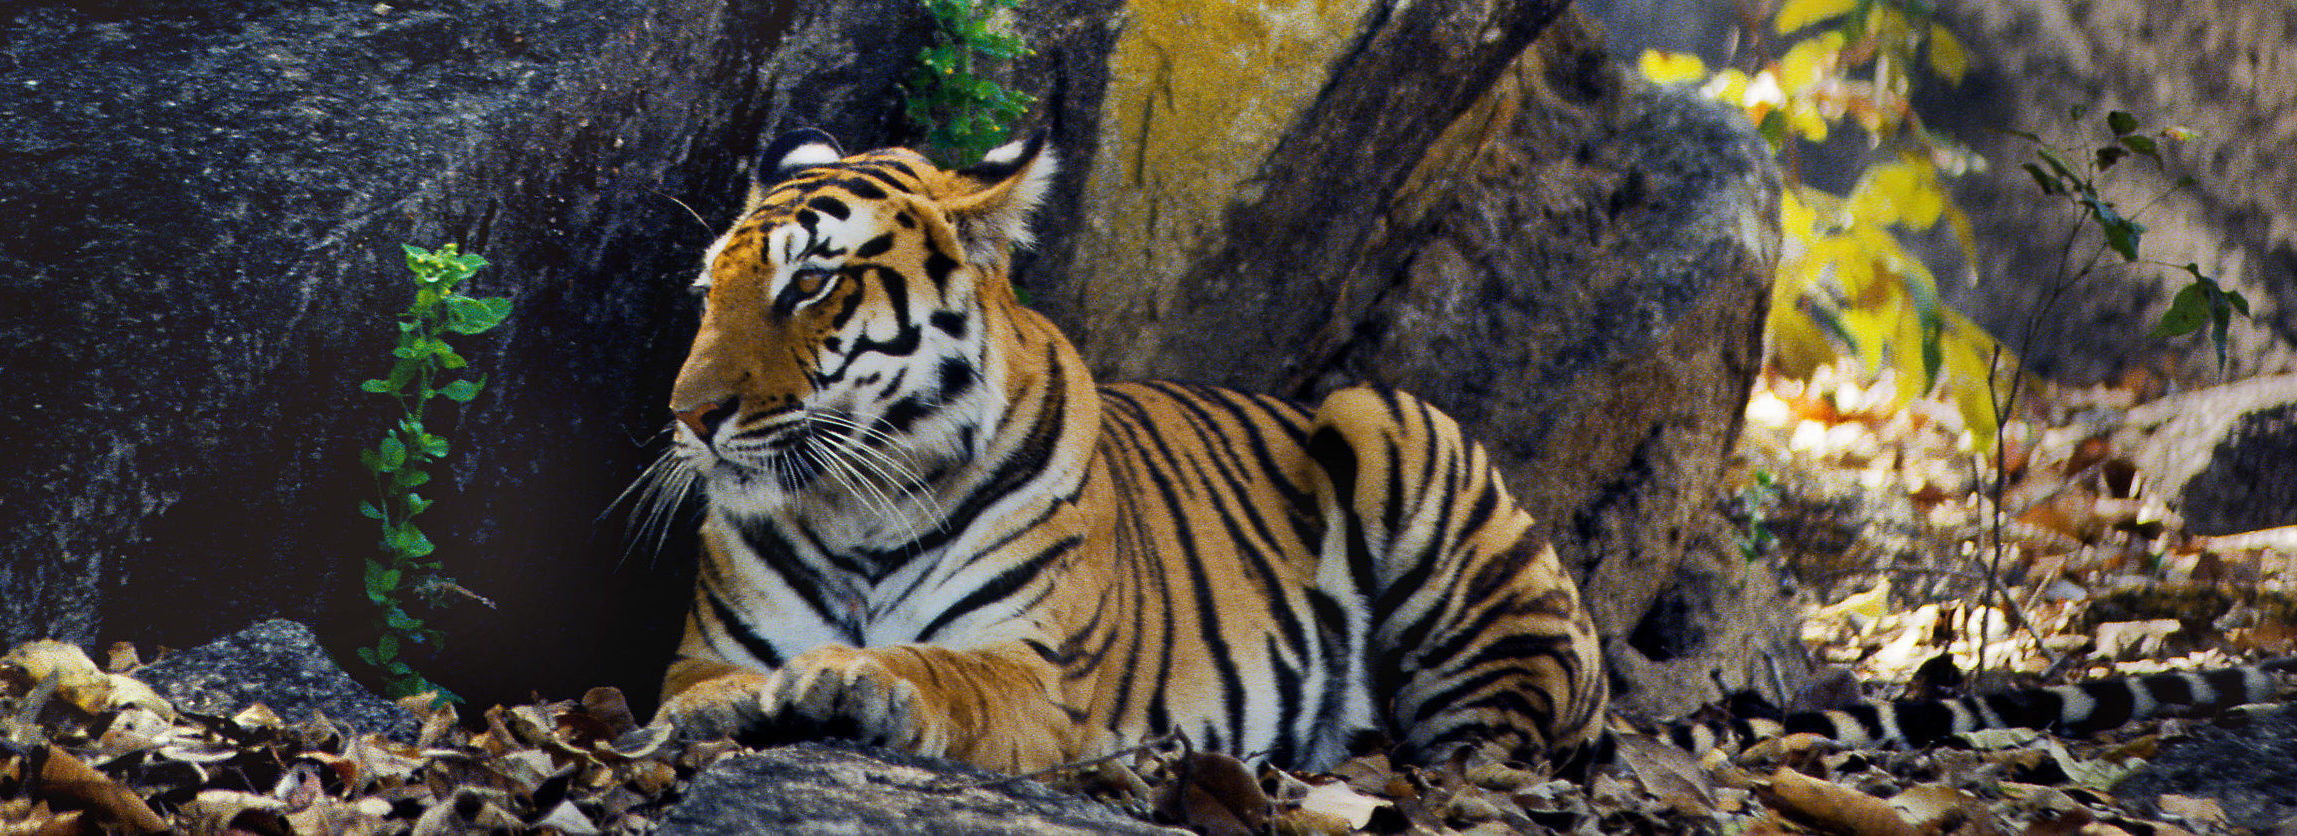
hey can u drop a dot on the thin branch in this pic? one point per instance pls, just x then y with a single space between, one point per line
1149 745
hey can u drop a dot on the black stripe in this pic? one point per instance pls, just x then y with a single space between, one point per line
956 378
2232 686
1869 717
1924 722
1424 563
904 415
874 247
950 322
1208 611
2170 689
830 206
998 588
2115 704
938 267
777 553
734 625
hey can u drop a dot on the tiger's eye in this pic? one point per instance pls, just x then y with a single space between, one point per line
810 281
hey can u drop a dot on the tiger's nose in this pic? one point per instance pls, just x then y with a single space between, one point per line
704 420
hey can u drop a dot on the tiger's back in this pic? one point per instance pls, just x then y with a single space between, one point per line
928 527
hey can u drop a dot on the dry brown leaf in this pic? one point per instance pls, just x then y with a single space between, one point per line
77 680
1935 807
364 817
1796 748
22 817
218 812
121 657
68 782
2189 808
1668 773
608 705
1215 794
1367 773
1336 800
1834 808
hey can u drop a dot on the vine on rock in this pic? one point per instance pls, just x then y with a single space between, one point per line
423 367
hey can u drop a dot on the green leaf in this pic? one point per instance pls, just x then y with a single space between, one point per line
2122 234
2188 311
2064 169
418 545
2049 182
2220 318
2143 145
410 478
466 315
391 452
416 504
2109 155
433 446
2121 122
368 510
376 385
410 541
372 462
367 655
386 648
381 579
461 391
399 620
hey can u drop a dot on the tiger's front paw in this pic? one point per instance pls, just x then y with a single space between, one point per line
838 692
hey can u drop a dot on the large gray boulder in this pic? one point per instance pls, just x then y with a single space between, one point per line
1464 201
210 199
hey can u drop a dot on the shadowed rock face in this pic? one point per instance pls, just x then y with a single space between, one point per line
1575 267
216 193
212 198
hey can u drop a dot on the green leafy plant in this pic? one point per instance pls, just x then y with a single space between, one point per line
2202 302
963 111
1752 506
423 367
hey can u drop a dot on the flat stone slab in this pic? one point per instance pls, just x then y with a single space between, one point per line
843 788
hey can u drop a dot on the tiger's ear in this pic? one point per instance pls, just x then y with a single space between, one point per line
1007 185
789 154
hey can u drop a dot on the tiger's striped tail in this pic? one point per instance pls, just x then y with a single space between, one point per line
2078 709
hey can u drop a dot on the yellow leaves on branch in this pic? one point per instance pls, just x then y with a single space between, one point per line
1845 282
1671 67
1947 57
1797 14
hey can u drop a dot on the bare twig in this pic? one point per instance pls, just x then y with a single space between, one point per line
1149 745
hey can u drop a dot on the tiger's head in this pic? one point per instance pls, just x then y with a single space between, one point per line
846 350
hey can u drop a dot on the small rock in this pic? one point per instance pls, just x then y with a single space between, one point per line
2250 772
280 664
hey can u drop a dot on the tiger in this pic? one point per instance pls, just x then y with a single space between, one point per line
925 525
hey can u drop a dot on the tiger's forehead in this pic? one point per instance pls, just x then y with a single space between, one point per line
821 212
828 188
